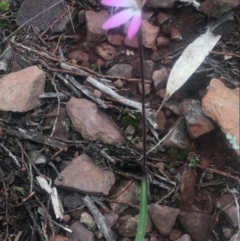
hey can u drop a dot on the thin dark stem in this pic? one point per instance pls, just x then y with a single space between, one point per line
143 103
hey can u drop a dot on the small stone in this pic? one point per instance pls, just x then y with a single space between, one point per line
73 201
230 213
87 219
94 22
185 237
160 4
84 176
149 34
147 14
178 138
196 121
162 42
222 105
106 51
118 83
160 78
115 39
174 234
129 224
160 120
66 218
97 93
197 224
80 232
175 35
163 217
148 66
161 166
111 218
78 55
19 90
130 195
227 231
91 122
163 17
122 70
147 88
133 43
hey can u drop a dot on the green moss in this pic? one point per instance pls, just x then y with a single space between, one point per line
177 154
4 5
133 120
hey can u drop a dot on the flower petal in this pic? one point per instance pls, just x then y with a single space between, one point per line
119 3
134 25
118 19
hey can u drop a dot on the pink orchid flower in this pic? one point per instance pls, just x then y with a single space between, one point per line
132 12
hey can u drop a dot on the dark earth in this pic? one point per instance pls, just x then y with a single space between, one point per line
87 142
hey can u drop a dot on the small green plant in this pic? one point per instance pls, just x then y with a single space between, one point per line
19 190
4 5
132 120
193 161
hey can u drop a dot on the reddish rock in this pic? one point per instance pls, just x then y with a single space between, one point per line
230 213
106 51
160 120
174 107
80 233
94 22
160 78
196 224
188 180
79 56
197 122
111 218
83 175
163 17
175 35
19 90
115 39
162 42
163 217
118 83
149 34
161 93
222 105
215 8
91 122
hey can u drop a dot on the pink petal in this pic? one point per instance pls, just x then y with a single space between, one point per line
118 19
118 3
134 25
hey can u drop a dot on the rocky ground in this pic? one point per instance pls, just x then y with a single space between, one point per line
70 114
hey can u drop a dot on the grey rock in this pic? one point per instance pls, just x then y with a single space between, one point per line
123 70
80 233
84 176
73 201
30 9
160 78
149 34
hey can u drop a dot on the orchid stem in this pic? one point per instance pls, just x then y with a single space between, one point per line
143 199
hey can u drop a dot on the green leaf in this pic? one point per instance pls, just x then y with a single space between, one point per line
4 5
143 211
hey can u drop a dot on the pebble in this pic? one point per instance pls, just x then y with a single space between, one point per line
160 78
149 34
106 51
160 4
115 39
123 70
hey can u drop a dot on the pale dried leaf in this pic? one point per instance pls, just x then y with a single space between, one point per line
189 61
